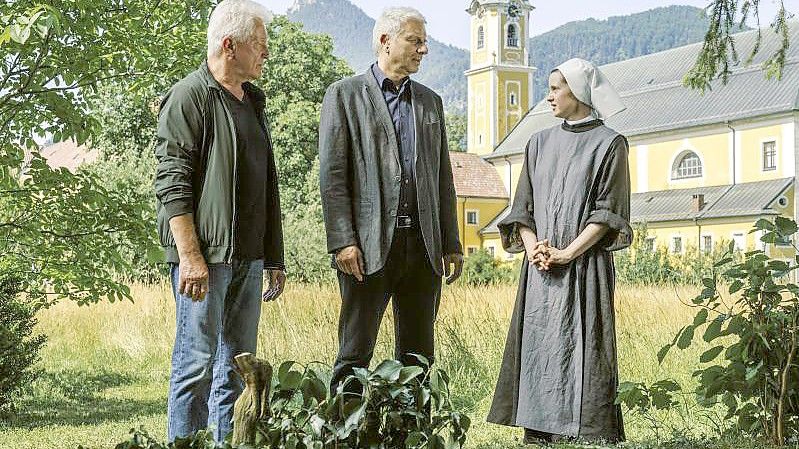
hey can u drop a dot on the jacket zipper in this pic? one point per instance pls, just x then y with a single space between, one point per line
232 127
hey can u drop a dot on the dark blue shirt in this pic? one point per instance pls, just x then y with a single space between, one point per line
400 107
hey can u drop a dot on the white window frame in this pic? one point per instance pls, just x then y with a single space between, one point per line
673 246
476 217
763 155
481 37
506 39
492 250
702 247
650 244
471 249
675 166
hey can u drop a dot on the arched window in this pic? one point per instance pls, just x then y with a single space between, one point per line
513 39
687 165
480 37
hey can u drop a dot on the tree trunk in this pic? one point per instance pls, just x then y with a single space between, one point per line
253 404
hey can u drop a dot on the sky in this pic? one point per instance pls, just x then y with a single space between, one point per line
447 19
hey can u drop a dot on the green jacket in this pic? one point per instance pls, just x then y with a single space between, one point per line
196 172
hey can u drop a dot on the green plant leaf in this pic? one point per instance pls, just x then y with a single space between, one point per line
408 373
686 336
713 330
388 370
711 354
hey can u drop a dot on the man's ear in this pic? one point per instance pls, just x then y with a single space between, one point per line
384 40
228 46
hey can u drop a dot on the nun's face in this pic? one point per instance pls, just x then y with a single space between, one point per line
563 102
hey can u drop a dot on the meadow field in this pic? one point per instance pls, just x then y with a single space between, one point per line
105 368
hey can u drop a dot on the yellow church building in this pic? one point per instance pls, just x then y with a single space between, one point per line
704 167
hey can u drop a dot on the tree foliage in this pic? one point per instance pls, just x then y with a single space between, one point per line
718 51
55 224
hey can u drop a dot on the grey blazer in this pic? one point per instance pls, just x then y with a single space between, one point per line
360 172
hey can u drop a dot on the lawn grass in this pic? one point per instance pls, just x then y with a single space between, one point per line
106 366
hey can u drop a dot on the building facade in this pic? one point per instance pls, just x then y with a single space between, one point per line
704 167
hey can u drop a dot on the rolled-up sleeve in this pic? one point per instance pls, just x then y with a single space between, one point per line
611 205
521 212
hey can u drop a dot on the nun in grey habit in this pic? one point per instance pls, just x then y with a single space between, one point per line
559 372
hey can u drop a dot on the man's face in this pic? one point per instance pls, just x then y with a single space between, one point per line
563 102
406 50
250 55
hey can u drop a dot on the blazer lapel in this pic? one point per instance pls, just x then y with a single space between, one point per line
380 108
417 104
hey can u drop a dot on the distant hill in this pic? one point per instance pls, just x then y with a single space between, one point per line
351 29
615 39
601 41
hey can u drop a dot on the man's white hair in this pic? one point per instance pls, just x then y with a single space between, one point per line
236 19
390 23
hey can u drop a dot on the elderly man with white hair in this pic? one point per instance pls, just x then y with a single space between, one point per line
218 217
388 197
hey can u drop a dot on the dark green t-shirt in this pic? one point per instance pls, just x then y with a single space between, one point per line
253 153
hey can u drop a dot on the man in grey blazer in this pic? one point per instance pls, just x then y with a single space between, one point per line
388 197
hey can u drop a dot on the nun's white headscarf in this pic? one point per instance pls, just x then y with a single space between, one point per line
591 87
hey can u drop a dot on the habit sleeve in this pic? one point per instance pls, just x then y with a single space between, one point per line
521 212
611 204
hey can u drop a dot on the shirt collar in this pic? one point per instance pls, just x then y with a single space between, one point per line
382 78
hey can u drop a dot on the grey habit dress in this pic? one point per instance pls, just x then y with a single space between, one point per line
559 371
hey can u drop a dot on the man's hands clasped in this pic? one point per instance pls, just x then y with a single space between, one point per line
544 256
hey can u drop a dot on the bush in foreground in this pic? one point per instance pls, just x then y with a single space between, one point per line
392 407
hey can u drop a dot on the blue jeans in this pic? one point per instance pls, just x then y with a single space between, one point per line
203 385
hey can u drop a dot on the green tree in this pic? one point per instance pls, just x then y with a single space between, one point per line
456 131
300 67
58 230
56 225
719 52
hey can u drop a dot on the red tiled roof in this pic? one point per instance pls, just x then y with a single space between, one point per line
475 177
68 154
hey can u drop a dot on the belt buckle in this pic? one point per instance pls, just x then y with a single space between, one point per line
404 221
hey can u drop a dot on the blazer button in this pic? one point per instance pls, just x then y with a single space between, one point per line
397 178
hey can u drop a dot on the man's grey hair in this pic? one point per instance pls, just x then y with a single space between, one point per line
390 23
236 19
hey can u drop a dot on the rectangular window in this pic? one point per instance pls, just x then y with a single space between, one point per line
471 250
491 250
707 243
471 217
676 244
769 156
649 244
783 241
740 241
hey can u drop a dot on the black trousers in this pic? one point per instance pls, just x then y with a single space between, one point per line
415 289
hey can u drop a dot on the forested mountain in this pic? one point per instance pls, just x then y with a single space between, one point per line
615 39
601 41
351 29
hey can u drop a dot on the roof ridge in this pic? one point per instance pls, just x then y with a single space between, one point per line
794 23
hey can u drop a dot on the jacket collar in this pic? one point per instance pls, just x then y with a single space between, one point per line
258 96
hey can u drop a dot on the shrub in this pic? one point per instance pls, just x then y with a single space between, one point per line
397 407
754 372
19 346
644 266
481 268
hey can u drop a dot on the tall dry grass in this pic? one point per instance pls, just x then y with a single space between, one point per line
132 341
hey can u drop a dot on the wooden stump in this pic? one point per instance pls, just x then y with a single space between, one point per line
253 404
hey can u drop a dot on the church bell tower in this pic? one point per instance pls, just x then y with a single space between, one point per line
500 78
